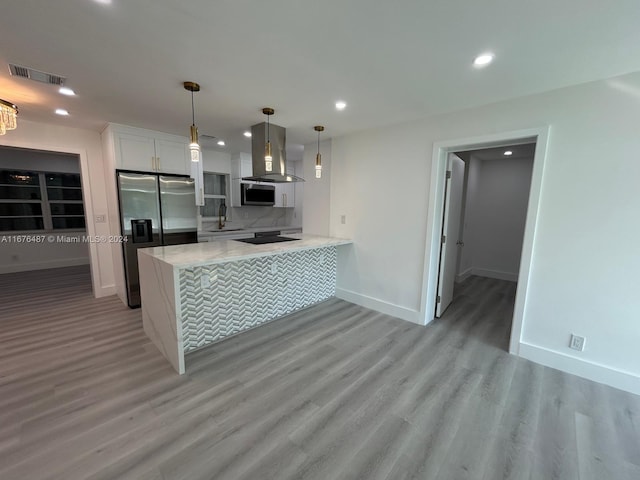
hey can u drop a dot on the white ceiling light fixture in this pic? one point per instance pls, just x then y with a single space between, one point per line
103 2
340 105
8 116
318 128
221 143
268 158
508 153
66 91
62 112
194 146
247 134
483 60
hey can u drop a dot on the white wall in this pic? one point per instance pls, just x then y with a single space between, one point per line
495 216
87 145
316 191
472 173
585 260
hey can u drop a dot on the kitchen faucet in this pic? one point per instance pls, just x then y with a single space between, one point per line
222 212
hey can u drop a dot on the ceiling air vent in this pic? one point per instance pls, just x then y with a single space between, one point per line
36 75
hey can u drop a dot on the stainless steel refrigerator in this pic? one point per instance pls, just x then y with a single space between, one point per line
155 210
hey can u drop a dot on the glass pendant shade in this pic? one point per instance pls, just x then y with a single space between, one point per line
318 128
194 146
268 159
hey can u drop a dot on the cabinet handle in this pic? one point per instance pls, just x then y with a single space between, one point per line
158 160
153 163
286 200
201 196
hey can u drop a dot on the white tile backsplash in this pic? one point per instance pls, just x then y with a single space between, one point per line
254 217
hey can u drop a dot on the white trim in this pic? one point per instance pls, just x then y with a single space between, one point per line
44 265
381 306
462 276
497 274
583 368
436 206
98 289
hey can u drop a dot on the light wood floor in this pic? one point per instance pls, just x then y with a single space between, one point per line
334 392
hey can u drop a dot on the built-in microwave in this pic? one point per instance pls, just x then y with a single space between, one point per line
258 194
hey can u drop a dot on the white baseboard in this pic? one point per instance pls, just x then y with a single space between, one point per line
381 306
105 291
461 277
497 274
592 371
44 265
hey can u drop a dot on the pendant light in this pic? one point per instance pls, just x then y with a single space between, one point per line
318 128
268 159
194 146
8 116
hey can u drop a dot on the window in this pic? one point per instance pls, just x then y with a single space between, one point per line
40 201
215 194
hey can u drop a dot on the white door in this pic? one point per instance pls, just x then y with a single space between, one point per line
450 232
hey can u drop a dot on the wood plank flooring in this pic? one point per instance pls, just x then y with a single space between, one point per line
333 392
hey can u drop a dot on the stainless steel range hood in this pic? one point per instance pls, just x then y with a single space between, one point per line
277 137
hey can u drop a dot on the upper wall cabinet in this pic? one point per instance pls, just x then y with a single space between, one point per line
148 151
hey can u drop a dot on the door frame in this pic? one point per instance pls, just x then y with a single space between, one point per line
441 150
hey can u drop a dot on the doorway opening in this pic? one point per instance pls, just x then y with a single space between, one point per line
446 257
42 211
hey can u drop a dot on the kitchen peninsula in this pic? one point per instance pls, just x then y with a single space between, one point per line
197 294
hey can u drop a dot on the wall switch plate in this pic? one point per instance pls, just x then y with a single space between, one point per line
101 218
343 219
577 343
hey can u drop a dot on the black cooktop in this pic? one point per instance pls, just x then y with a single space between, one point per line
261 240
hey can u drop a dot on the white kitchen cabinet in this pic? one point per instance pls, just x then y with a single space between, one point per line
148 151
240 167
286 192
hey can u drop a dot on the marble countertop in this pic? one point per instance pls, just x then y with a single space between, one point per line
207 253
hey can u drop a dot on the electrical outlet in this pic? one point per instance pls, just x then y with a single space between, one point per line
577 343
322 259
274 268
245 215
343 219
101 218
205 281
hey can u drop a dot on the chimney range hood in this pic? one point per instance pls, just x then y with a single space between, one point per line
277 137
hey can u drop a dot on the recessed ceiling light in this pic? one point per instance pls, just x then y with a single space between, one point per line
247 134
61 111
104 2
221 143
66 91
483 60
340 105
508 152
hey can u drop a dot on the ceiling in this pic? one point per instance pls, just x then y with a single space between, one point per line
390 61
519 151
